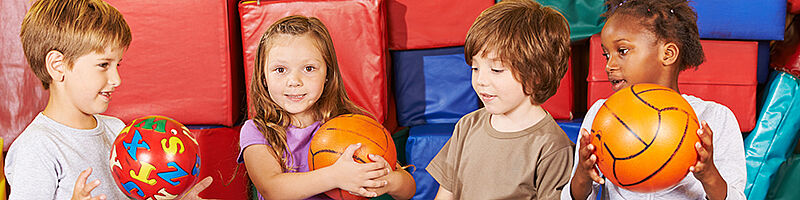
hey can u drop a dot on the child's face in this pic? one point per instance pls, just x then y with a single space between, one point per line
295 73
495 85
632 53
92 79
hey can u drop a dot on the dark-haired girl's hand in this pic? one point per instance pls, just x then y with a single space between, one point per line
585 171
704 170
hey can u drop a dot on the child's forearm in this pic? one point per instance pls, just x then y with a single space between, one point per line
580 188
401 185
295 185
716 187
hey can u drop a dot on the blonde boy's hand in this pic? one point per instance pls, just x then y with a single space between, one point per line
82 190
194 192
355 177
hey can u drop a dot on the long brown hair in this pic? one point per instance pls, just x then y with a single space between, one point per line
271 119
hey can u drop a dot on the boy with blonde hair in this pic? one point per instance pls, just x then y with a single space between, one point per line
74 48
518 51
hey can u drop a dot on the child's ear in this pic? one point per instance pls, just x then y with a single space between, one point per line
669 54
55 64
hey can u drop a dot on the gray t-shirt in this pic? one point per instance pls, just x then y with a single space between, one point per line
46 159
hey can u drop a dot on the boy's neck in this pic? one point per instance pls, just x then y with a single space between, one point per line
67 114
518 119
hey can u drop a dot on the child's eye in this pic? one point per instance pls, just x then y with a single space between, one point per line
310 68
280 69
474 69
103 65
605 55
622 51
497 70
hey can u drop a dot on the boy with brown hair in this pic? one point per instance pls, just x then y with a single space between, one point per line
518 51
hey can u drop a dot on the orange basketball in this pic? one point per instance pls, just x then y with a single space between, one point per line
336 134
644 137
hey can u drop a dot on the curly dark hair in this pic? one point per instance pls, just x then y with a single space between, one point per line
670 20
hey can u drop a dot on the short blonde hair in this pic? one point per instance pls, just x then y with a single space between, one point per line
72 27
531 39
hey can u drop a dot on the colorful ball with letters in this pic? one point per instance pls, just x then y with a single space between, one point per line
644 137
155 157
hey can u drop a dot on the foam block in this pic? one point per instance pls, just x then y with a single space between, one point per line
358 31
728 77
22 96
741 19
218 150
184 62
424 142
415 24
775 135
434 86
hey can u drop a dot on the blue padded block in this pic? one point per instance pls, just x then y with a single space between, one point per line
424 142
741 19
571 128
432 86
775 134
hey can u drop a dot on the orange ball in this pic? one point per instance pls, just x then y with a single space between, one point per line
644 138
336 134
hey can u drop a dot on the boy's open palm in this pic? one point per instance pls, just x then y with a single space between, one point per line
355 177
82 190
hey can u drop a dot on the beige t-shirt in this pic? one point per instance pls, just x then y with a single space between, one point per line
479 162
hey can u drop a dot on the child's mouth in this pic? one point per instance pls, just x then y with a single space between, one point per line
295 97
106 94
487 97
618 84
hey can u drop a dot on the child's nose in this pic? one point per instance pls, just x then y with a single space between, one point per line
113 77
480 78
611 65
294 80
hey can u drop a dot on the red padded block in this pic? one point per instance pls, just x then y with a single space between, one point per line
358 31
182 62
421 24
560 104
218 150
22 96
728 77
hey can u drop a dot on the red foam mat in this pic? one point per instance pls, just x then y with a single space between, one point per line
358 31
182 62
218 150
728 77
421 24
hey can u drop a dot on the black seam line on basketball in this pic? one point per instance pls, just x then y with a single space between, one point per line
353 132
625 125
324 151
380 127
642 100
680 143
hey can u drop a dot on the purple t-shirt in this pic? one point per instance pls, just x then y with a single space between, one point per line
297 141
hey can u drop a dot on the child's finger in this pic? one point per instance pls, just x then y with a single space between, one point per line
702 153
377 174
379 159
87 190
585 137
82 178
596 176
348 153
706 136
375 183
364 193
